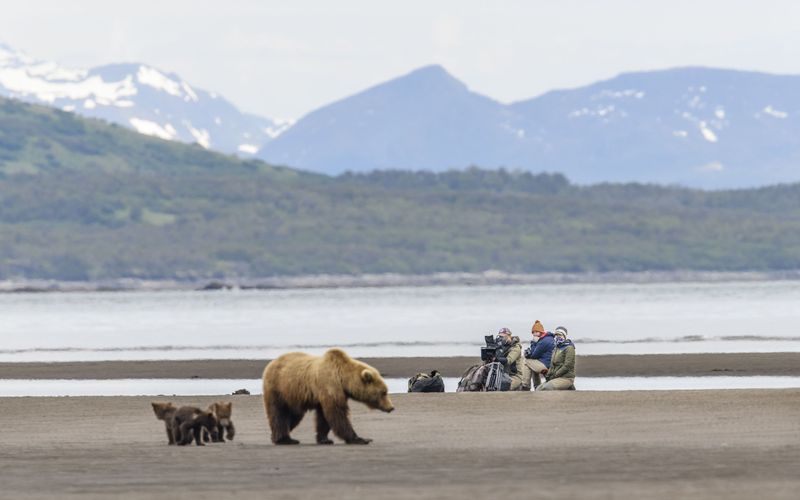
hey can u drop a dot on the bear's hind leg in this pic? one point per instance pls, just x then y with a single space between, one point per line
338 417
323 428
198 434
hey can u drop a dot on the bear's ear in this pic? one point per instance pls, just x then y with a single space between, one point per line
366 376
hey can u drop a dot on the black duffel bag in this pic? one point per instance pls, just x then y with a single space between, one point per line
424 382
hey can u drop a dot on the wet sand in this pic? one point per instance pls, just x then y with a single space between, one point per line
688 444
652 365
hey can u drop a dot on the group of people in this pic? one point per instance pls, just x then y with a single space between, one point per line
551 356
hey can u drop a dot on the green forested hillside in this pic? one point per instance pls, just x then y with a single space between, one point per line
81 199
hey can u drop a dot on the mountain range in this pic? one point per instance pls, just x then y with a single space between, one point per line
81 199
698 127
140 97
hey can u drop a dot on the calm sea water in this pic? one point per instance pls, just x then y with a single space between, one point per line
213 387
434 321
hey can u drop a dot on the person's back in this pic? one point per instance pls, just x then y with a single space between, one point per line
561 374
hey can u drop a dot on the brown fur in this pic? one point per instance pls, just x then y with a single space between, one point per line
165 411
297 382
222 411
188 422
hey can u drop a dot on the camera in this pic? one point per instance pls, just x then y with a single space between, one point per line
489 352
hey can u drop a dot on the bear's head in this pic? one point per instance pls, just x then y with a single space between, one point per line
163 409
359 380
372 390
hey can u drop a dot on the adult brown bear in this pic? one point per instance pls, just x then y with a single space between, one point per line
297 382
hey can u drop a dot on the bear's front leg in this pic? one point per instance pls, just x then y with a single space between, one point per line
323 428
219 437
170 437
338 418
279 417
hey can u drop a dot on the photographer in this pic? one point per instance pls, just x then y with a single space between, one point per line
537 356
510 356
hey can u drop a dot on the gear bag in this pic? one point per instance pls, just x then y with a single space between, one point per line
423 382
472 379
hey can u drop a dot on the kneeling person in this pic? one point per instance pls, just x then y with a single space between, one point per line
561 375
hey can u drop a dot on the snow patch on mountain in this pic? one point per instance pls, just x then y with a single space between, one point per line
157 80
202 137
618 94
708 134
279 126
775 112
147 127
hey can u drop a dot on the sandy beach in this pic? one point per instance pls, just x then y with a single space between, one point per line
738 364
687 444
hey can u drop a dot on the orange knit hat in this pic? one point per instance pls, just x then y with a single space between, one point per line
538 328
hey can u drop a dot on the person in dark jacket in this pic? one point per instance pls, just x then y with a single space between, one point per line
561 374
537 356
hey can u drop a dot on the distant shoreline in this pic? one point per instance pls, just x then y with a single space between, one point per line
616 365
328 281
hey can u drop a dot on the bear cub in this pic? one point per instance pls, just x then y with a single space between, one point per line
188 423
165 411
222 411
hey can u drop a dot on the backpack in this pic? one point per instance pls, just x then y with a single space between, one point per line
423 382
472 379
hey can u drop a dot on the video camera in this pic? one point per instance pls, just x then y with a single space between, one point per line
489 352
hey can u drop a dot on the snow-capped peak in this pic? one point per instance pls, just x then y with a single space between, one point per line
139 96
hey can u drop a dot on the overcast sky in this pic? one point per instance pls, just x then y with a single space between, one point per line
283 59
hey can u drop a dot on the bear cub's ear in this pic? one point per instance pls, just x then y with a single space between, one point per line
367 377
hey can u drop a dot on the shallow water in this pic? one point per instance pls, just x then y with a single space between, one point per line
211 387
402 321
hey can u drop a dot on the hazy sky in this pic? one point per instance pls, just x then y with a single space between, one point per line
283 59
